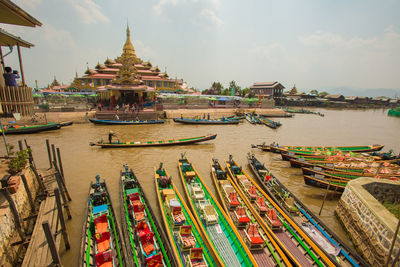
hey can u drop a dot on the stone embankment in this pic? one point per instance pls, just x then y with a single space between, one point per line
8 235
369 224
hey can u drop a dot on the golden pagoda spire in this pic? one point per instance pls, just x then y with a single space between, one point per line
128 49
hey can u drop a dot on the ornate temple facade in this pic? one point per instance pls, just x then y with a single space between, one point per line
127 78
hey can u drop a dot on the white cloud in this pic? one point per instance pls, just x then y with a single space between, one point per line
31 4
209 16
267 51
56 38
143 51
358 62
89 11
158 8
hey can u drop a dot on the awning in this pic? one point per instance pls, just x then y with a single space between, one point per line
10 13
7 39
224 99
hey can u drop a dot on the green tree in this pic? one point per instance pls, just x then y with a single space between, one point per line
216 88
323 94
245 91
235 87
314 92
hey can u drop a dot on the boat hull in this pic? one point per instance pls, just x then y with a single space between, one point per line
208 122
32 129
115 122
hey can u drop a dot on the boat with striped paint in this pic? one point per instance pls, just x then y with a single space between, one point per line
259 239
212 219
311 224
189 245
303 250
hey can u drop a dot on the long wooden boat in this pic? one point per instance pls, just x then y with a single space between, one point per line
269 123
313 150
260 240
302 111
147 244
252 118
172 142
321 182
277 123
332 156
380 173
301 247
189 244
207 122
313 226
29 129
132 122
213 221
102 243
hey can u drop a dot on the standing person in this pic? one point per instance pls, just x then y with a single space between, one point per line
208 116
110 136
99 106
10 77
117 107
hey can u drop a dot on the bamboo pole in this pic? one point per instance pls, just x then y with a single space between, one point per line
2 59
393 242
20 65
51 243
326 194
61 217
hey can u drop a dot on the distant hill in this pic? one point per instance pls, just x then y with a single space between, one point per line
349 91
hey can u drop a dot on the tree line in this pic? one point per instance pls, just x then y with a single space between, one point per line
233 89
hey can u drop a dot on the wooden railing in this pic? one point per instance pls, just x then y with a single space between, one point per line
17 100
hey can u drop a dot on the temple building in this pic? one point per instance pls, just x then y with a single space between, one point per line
267 89
127 79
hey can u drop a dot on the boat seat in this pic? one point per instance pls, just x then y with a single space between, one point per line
101 209
104 259
103 241
210 215
241 217
253 238
233 200
252 192
186 238
154 260
189 176
272 217
241 177
177 215
101 223
195 258
197 191
289 203
261 205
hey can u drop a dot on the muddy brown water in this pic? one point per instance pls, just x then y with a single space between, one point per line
82 162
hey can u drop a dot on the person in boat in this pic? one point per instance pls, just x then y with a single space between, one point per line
110 136
208 116
181 116
204 116
116 117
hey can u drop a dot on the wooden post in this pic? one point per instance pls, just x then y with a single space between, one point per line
51 243
62 192
393 242
60 162
48 152
39 179
2 59
31 162
396 259
28 192
14 212
326 193
58 174
20 65
53 152
61 216
4 138
21 147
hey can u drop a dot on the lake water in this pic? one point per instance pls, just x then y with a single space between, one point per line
82 162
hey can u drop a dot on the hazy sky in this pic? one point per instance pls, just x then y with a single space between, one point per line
316 44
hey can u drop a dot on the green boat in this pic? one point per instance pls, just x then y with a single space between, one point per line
260 240
213 220
189 244
394 112
303 251
147 244
102 243
315 150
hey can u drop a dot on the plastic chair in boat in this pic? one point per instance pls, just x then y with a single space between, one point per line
101 223
195 258
103 241
177 215
261 206
272 219
147 244
241 219
155 260
252 192
186 238
290 206
253 238
104 259
197 192
233 200
210 215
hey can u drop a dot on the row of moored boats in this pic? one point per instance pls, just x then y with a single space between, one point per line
255 222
